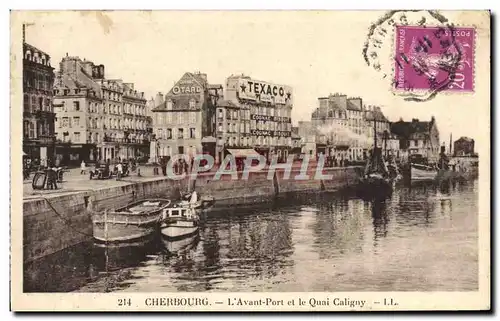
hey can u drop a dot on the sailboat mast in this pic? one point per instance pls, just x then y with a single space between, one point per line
450 145
375 132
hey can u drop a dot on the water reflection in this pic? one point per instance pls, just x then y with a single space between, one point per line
316 242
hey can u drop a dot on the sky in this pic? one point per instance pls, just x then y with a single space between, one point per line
316 53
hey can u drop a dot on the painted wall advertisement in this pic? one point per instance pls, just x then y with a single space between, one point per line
262 91
187 85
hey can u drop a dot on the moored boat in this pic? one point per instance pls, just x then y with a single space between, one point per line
135 222
181 220
421 172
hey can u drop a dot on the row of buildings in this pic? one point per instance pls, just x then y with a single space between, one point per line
346 129
78 114
242 116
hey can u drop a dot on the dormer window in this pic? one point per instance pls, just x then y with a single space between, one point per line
192 104
169 104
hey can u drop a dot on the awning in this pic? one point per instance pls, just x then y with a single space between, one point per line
243 152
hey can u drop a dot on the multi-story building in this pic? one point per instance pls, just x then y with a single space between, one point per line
38 113
136 123
183 118
78 106
98 118
296 141
464 146
255 114
341 126
420 139
308 134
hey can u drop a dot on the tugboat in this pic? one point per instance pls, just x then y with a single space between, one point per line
132 224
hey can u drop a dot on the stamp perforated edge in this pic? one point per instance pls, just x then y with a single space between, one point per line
406 94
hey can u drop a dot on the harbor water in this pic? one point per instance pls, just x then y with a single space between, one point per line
421 238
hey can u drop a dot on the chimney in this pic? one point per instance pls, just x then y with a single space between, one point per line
88 66
159 99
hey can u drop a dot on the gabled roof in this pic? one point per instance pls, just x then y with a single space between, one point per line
376 114
406 129
465 139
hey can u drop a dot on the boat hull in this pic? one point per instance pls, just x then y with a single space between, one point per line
178 230
117 233
185 243
132 223
423 175
376 187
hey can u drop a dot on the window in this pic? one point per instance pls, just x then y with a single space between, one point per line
160 133
169 118
31 130
169 104
192 133
235 114
77 137
76 121
220 112
192 118
76 105
65 122
26 103
169 133
180 133
192 104
180 118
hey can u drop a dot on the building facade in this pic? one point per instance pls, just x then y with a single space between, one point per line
308 135
183 118
464 146
419 139
98 118
38 113
255 114
341 127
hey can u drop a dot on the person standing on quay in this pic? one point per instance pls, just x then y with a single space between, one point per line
83 167
119 170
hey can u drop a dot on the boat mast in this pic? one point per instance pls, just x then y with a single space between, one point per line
374 132
450 145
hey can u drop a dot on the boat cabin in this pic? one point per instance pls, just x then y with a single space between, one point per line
178 212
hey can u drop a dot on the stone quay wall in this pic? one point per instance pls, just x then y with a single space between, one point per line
56 222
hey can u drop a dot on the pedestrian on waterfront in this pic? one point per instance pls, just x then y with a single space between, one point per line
163 162
119 171
83 167
185 166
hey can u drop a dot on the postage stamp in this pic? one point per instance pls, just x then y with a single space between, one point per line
235 173
434 58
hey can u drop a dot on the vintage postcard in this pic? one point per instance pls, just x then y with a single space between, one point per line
250 160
